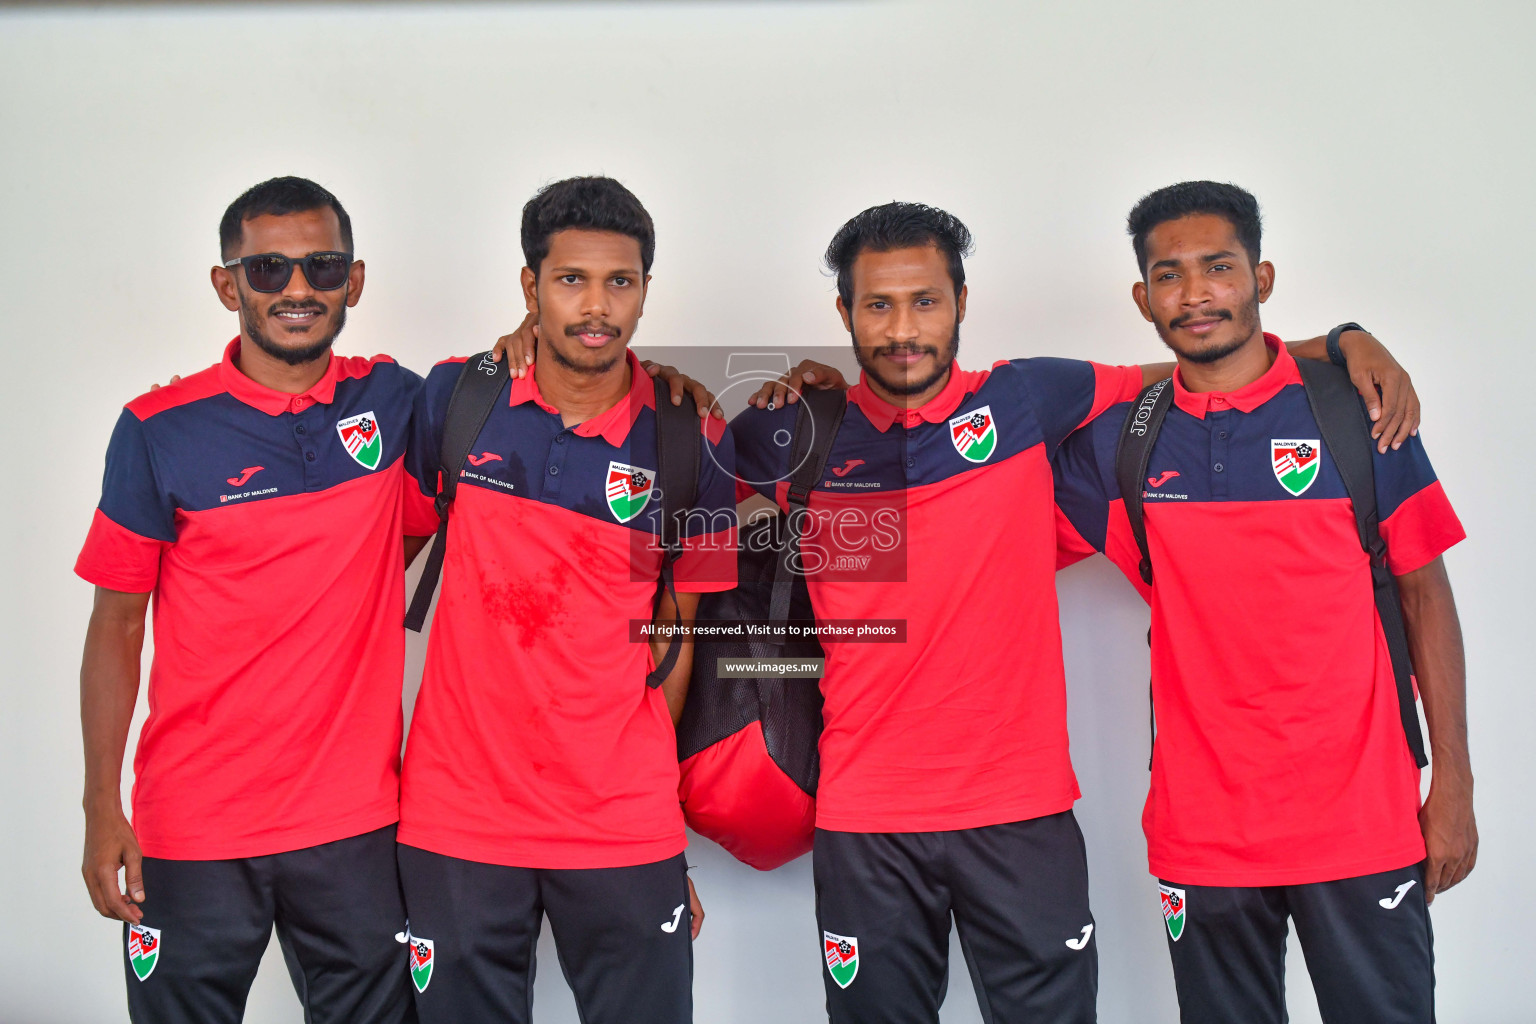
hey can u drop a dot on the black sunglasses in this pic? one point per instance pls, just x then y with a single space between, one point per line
270 271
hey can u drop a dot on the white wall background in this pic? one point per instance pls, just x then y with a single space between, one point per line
1390 144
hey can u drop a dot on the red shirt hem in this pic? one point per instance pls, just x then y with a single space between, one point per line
276 841
543 854
1253 877
948 822
112 581
116 558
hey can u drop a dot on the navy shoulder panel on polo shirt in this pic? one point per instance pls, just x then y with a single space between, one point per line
217 449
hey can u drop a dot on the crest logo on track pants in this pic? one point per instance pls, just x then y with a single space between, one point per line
143 950
842 957
1173 910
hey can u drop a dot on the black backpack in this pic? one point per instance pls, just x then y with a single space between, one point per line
475 393
747 746
1346 434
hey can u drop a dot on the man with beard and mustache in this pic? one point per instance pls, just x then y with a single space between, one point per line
1281 785
541 772
260 503
946 788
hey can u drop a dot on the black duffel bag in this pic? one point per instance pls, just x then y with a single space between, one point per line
747 746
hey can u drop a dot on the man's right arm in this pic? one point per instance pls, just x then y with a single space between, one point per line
109 688
130 532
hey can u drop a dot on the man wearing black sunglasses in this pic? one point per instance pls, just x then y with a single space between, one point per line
298 323
270 272
259 502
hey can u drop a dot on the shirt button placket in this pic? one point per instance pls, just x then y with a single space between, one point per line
306 433
1221 432
556 464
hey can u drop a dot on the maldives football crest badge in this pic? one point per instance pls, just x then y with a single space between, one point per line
361 436
1173 910
974 434
842 957
419 958
1296 463
143 950
421 962
629 490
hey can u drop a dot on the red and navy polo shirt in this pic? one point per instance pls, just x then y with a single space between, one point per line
535 741
941 516
269 528
1280 757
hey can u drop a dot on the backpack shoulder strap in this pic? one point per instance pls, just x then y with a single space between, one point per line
1132 454
816 426
678 446
1346 433
679 442
474 395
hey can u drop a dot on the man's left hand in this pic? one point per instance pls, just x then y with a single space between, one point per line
1450 835
695 911
1389 396
519 346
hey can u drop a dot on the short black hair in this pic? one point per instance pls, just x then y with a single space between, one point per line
1237 205
592 203
898 226
278 197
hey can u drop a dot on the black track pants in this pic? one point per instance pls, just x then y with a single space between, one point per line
337 909
1367 940
622 936
1019 896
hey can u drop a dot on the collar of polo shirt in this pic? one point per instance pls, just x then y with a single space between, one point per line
881 414
1246 398
613 424
273 403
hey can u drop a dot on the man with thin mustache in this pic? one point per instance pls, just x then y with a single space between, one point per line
1282 786
541 772
259 503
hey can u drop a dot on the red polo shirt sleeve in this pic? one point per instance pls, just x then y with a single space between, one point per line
1082 503
135 521
418 484
1416 517
424 444
1090 514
